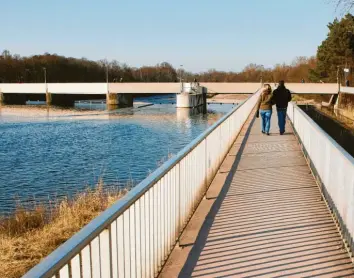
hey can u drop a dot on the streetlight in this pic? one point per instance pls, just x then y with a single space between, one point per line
107 73
262 69
180 75
45 79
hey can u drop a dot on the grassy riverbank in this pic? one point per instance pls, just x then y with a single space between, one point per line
30 235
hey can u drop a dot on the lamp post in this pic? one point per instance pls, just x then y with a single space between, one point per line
107 78
180 76
107 74
45 79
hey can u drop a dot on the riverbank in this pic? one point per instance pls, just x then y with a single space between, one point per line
31 234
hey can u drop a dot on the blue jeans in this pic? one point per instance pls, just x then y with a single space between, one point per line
281 119
266 115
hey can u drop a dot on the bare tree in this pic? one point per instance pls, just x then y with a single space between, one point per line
346 5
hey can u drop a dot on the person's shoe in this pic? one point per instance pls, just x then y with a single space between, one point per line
281 133
268 133
263 132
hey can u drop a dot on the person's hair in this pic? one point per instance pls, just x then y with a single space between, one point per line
267 88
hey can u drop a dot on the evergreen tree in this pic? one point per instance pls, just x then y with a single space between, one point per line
336 50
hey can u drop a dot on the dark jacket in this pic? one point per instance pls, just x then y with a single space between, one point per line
281 97
266 101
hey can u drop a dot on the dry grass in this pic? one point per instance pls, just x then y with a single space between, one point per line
30 235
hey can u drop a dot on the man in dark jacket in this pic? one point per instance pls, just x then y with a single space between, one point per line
281 97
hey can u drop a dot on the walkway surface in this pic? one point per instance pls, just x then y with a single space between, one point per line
270 220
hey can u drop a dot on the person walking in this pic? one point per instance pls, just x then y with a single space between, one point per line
265 108
281 97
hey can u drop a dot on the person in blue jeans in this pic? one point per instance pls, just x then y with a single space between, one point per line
281 98
265 108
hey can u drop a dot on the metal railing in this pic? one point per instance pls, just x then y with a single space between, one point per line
134 237
347 90
333 165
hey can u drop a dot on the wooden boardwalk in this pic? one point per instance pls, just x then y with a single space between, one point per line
270 221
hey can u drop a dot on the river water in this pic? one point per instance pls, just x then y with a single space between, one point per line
46 154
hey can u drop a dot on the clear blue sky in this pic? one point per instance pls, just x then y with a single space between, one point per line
200 34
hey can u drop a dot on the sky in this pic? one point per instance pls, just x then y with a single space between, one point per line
198 34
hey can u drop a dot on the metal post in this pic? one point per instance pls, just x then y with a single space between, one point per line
180 77
107 77
45 79
338 79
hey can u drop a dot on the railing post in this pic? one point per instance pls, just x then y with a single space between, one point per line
179 225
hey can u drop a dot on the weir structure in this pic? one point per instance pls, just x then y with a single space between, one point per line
231 203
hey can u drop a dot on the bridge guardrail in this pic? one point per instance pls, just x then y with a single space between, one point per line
347 90
333 165
134 237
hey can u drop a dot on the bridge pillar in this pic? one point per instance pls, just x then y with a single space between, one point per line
59 99
12 99
119 100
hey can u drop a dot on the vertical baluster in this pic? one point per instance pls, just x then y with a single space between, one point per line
178 187
95 258
126 241
190 175
183 197
64 272
163 218
166 205
132 242
143 235
105 253
169 204
114 250
180 192
159 223
147 220
75 267
155 232
167 218
86 262
120 246
174 216
138 237
152 229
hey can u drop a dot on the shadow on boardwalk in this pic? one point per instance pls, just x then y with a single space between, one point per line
270 219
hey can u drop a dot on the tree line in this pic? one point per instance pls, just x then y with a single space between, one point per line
55 68
334 55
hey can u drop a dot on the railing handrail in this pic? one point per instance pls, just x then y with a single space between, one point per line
59 257
324 133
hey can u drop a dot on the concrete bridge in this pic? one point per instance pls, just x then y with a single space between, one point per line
233 203
121 94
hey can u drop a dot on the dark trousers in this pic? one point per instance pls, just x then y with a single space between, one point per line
281 119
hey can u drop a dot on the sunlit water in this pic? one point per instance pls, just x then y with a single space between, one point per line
45 154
